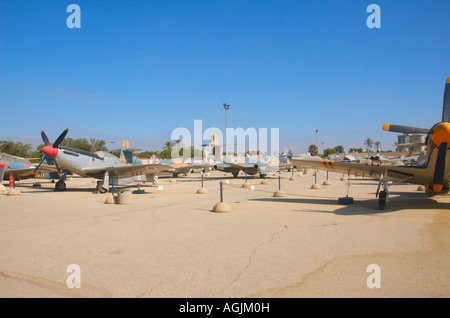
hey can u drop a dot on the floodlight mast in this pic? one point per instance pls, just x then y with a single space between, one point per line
226 106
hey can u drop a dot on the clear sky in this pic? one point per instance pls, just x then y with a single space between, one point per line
136 70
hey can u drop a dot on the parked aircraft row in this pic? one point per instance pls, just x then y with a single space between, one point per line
434 173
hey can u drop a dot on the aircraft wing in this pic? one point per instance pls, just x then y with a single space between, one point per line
410 174
27 173
285 164
188 168
242 166
129 170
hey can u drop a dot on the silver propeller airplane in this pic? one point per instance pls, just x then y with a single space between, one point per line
434 174
99 165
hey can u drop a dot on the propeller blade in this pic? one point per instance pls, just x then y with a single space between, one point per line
42 160
439 169
446 109
57 167
45 138
405 129
60 138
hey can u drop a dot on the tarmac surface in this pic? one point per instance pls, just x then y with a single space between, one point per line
169 243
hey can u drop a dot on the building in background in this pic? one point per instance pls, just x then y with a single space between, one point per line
411 143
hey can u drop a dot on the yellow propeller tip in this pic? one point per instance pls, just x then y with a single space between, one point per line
448 80
386 127
437 187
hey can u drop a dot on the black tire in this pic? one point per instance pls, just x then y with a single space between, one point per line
60 186
100 188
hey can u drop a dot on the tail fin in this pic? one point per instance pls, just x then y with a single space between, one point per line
126 154
290 153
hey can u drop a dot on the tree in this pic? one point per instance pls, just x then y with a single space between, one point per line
339 149
313 150
146 154
329 151
98 145
168 145
165 154
368 143
15 148
377 145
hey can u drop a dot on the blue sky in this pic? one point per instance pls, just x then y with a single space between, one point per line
136 70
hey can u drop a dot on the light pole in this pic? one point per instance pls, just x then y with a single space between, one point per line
226 106
317 141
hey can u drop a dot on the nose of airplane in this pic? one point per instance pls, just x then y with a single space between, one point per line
50 152
441 133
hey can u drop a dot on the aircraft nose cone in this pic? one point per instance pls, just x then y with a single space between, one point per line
441 133
49 151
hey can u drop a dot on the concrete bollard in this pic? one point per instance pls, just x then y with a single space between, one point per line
221 207
13 192
279 194
124 197
110 199
202 191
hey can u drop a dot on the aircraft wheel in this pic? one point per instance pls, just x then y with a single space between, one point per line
382 200
235 175
60 186
100 188
262 176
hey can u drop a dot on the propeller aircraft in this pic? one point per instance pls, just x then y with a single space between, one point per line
127 156
22 168
434 174
99 165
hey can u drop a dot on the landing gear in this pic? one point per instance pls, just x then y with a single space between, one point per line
100 188
103 185
383 195
61 184
262 175
235 174
382 200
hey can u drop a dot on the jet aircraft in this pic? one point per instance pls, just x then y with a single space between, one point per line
434 174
